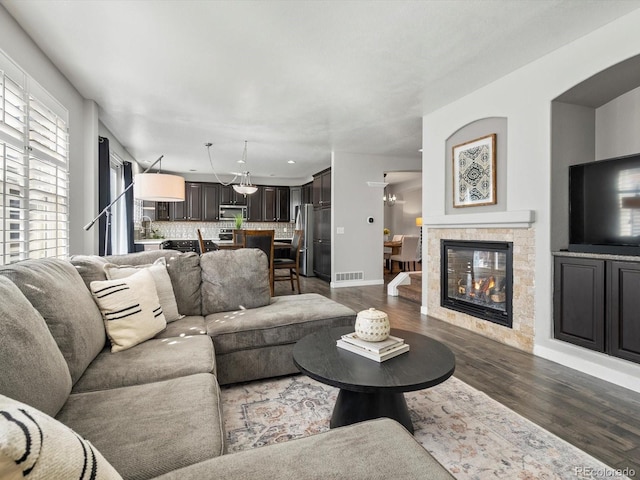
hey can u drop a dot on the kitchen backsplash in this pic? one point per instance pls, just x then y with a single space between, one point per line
210 230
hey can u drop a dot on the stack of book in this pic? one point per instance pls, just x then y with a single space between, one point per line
378 351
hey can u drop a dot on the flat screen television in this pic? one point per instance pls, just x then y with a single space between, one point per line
604 206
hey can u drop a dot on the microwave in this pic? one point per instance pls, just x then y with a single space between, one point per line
230 212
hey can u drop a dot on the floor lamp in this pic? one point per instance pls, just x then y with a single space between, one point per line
155 187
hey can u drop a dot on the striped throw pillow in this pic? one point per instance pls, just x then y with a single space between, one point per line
130 309
35 446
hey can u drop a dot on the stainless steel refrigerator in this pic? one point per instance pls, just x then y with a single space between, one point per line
304 222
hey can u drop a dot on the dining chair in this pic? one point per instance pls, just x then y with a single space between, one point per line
388 251
291 262
203 247
408 252
262 239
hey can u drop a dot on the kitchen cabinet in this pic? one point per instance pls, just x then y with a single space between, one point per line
321 188
255 206
210 202
228 196
162 212
307 193
322 242
191 208
276 204
596 304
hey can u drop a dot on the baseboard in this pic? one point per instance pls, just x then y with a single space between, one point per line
357 283
423 310
608 374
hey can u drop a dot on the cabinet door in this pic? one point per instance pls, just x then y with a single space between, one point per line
254 206
579 301
322 259
282 204
210 202
269 207
193 200
162 212
316 190
307 193
322 224
227 195
149 209
178 211
624 309
326 188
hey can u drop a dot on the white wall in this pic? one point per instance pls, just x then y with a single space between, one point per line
524 98
618 126
359 248
82 198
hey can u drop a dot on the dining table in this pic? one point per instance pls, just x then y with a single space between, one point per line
235 246
394 245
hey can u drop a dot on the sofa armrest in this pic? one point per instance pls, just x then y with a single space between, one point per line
377 449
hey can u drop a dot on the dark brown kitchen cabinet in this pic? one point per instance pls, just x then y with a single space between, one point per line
579 307
624 295
163 212
254 206
322 242
191 208
596 304
307 193
276 204
321 189
228 196
210 202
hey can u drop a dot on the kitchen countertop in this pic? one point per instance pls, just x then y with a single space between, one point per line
158 241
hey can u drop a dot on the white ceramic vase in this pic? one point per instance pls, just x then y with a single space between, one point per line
372 325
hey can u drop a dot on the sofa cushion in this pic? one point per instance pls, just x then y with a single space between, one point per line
374 450
285 320
151 361
158 270
147 430
189 325
56 290
130 308
33 369
31 443
234 279
90 268
183 268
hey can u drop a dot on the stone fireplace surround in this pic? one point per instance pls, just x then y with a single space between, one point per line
521 335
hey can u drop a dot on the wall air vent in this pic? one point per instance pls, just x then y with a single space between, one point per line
349 276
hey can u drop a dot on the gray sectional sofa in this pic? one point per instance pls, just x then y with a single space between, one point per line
154 410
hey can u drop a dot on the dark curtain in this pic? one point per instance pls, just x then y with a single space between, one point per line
128 199
104 192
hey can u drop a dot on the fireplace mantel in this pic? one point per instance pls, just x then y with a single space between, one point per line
512 219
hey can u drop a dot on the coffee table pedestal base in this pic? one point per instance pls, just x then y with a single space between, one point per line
354 407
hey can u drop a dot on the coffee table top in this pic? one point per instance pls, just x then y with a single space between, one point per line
427 363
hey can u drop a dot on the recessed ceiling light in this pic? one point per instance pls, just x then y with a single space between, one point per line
420 150
241 161
291 161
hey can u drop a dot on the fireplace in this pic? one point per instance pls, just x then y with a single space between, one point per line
477 278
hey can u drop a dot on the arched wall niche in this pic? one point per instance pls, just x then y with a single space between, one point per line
471 131
596 119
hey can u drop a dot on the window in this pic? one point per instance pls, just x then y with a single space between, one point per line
34 211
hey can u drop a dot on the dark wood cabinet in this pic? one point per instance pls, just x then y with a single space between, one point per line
624 307
210 202
322 242
191 208
579 307
307 193
596 304
255 206
228 196
276 204
321 188
162 212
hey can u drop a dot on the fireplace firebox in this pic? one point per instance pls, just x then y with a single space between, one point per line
476 278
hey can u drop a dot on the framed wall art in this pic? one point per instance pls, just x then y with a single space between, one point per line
474 172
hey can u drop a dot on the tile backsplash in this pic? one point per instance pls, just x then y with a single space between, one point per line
210 230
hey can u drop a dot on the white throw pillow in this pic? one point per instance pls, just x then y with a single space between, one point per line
130 309
164 288
35 446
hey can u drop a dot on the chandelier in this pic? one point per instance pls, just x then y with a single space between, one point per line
245 187
389 199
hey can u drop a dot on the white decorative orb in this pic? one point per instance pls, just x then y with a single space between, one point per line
372 325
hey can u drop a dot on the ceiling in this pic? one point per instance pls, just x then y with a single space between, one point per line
297 80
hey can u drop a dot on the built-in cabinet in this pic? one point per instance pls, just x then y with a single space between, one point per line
191 208
210 202
596 303
255 202
228 196
307 193
276 204
321 191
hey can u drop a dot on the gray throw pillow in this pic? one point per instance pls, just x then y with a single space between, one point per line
33 369
55 289
234 279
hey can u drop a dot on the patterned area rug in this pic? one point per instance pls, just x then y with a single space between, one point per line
473 436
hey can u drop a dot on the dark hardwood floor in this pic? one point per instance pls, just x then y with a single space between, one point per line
596 416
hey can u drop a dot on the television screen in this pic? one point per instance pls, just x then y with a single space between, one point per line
604 206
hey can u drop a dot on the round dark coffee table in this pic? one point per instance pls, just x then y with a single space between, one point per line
369 389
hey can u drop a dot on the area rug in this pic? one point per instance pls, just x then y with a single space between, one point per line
469 433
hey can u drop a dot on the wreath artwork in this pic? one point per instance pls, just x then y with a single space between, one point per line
474 172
